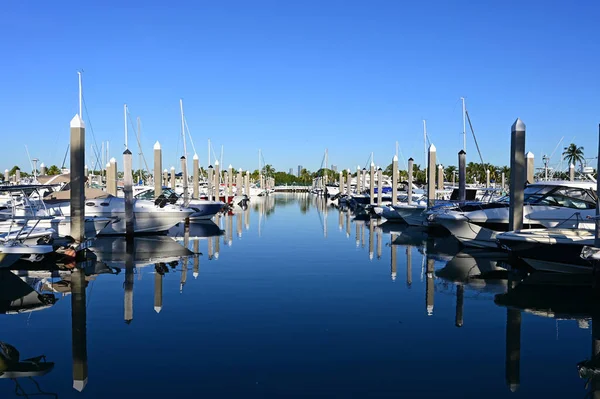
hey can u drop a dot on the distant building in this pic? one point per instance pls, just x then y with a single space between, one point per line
291 172
299 170
334 168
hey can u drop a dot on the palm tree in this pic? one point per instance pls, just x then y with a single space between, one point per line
573 154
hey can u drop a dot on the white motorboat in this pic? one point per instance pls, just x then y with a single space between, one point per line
202 209
148 216
554 250
29 235
549 204
25 207
12 251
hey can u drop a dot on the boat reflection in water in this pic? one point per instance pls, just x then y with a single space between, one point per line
20 295
113 251
481 270
13 367
558 296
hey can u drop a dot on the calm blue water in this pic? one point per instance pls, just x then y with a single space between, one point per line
292 301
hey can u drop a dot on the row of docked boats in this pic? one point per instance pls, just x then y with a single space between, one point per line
35 219
558 221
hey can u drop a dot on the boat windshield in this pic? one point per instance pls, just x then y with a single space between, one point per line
149 194
569 197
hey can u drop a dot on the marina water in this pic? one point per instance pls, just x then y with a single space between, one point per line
295 298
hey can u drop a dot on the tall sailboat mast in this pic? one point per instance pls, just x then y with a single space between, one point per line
125 123
183 128
80 96
425 147
464 113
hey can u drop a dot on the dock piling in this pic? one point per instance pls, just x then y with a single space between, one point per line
572 172
128 192
530 167
394 180
196 177
372 183
431 155
157 170
517 175
173 182
77 146
410 179
379 186
462 175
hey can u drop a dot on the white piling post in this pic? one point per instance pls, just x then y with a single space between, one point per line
77 179
431 155
517 175
410 179
379 186
394 181
372 184
173 177
530 167
462 176
128 191
157 170
196 177
572 172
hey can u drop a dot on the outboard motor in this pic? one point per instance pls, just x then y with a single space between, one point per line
173 198
161 201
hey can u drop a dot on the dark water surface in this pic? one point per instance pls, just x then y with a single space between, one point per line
295 299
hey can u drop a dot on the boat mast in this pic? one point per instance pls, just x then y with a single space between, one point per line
139 130
183 128
425 147
325 170
125 123
80 96
464 125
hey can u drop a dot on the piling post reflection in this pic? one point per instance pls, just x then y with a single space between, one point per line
247 218
379 233
348 223
217 247
341 220
158 287
210 248
79 329
393 260
429 290
362 234
513 342
357 235
238 219
460 298
229 230
408 265
128 297
371 237
196 267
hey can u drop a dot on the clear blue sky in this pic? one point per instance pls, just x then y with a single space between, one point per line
295 77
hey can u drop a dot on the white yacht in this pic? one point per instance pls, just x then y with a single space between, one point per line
12 251
202 209
548 204
148 216
554 250
24 207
